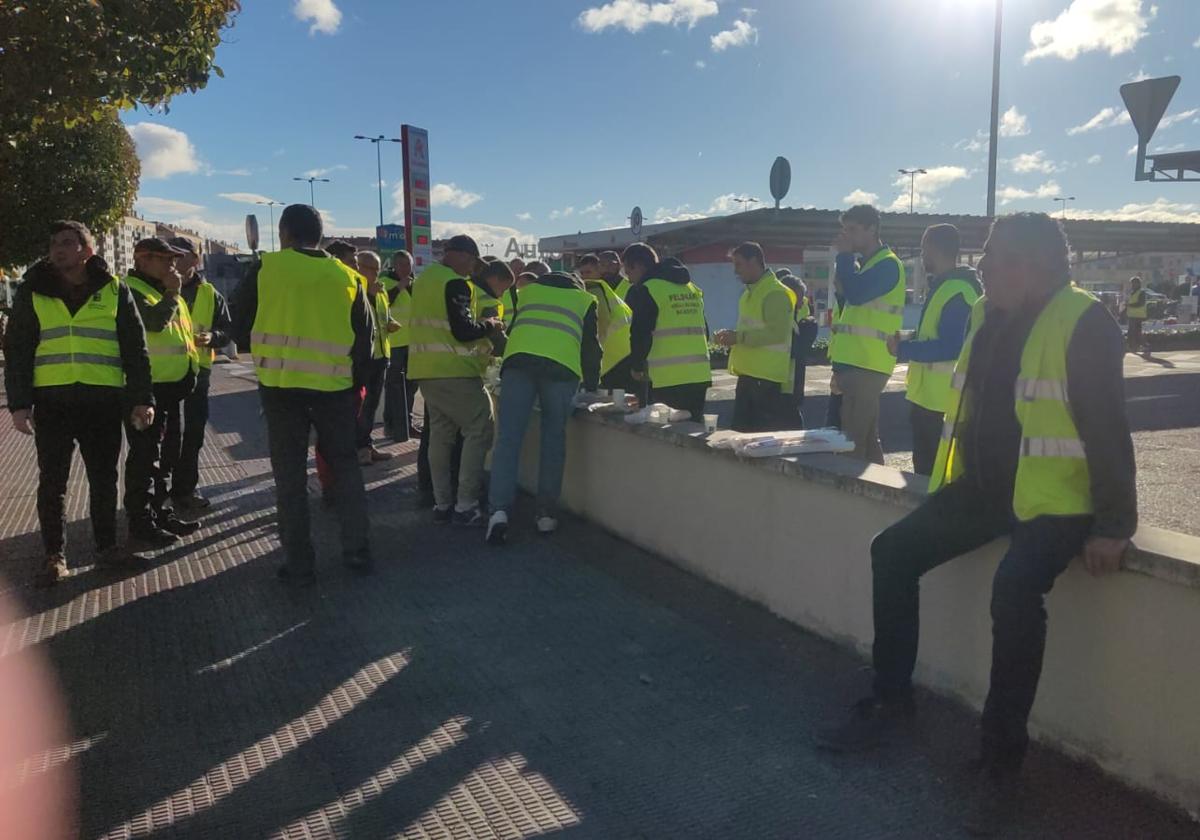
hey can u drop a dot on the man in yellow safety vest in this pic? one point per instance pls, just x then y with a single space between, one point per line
873 309
210 319
307 321
615 319
1137 310
931 354
1036 447
369 266
760 352
174 362
399 392
76 365
614 273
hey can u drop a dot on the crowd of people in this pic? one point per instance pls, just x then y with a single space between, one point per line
1017 403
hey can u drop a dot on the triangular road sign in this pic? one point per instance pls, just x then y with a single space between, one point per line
1147 101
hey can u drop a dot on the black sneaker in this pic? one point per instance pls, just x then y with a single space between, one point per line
294 579
360 562
472 518
150 535
194 503
869 723
174 525
993 805
443 515
52 571
497 530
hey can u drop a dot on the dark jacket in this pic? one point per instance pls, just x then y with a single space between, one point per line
645 310
463 325
21 340
155 319
244 305
222 326
952 324
402 283
1096 393
590 350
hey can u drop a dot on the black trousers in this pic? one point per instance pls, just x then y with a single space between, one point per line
802 343
181 446
952 522
290 414
761 406
689 398
145 471
370 406
399 394
833 412
927 434
620 377
96 427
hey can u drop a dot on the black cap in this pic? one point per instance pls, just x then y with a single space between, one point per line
462 243
155 245
340 246
783 272
182 242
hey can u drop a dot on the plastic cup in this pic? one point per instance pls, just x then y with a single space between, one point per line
710 423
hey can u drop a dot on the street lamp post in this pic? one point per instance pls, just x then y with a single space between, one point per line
488 246
379 163
744 201
912 183
312 195
995 130
1064 200
271 209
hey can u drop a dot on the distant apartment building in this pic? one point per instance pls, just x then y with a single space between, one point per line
1162 272
116 246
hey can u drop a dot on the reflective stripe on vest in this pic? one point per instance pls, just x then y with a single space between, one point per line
173 349
929 382
771 362
435 353
203 311
1052 472
549 324
679 352
81 348
614 318
861 331
302 335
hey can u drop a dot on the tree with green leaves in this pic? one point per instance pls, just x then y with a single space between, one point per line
88 172
66 61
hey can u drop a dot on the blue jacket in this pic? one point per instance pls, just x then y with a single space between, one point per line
951 328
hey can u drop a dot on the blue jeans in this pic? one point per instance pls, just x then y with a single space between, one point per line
518 390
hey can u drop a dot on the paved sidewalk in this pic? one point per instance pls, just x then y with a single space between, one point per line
574 686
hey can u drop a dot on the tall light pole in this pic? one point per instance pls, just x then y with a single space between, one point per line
271 209
912 183
1064 200
995 132
489 246
744 201
379 163
312 195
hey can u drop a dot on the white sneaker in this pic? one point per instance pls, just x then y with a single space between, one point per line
497 528
546 524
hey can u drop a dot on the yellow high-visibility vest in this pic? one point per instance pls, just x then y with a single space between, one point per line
613 318
679 354
770 362
861 331
1052 471
435 353
302 336
483 305
623 288
550 324
401 310
203 312
80 348
929 382
383 341
173 350
1137 307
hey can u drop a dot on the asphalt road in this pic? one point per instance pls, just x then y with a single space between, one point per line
1162 398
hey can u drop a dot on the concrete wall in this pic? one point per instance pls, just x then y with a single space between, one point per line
1121 684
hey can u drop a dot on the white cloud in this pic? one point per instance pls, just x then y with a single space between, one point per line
564 213
593 209
1094 159
1171 119
1140 76
1033 162
1196 43
1104 118
164 207
1114 26
231 230
636 15
163 151
241 172
524 217
322 172
449 195
244 197
326 17
740 35
483 233
1050 189
722 205
700 65
1013 123
1159 210
974 144
860 197
925 187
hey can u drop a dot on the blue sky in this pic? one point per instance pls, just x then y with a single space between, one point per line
551 116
